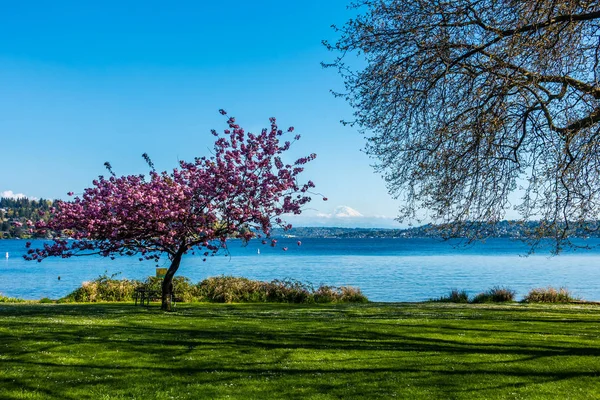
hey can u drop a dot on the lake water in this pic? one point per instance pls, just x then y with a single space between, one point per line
384 269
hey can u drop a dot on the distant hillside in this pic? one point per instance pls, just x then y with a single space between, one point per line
17 211
503 229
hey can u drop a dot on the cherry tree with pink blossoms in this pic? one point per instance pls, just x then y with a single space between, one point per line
241 191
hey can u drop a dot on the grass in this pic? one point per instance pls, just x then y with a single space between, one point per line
259 351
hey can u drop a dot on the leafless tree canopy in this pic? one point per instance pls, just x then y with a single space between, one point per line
466 101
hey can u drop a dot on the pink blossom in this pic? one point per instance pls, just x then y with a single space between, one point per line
241 190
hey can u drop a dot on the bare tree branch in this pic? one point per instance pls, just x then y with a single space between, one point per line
469 102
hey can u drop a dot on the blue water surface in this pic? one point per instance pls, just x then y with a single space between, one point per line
384 269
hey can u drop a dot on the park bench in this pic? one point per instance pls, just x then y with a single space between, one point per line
145 294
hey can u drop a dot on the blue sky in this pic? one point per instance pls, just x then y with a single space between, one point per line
88 82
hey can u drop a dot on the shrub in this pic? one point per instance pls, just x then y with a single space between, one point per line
4 299
455 296
221 289
349 294
229 289
325 294
496 294
45 300
343 294
289 291
549 295
103 288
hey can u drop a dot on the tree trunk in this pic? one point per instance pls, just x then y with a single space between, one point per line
167 284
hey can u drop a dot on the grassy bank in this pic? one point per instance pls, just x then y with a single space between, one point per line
433 350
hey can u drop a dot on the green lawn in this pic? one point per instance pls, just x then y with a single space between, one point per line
265 351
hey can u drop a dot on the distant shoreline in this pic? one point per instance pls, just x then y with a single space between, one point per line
504 230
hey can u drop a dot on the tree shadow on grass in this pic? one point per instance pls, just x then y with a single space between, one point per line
125 349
